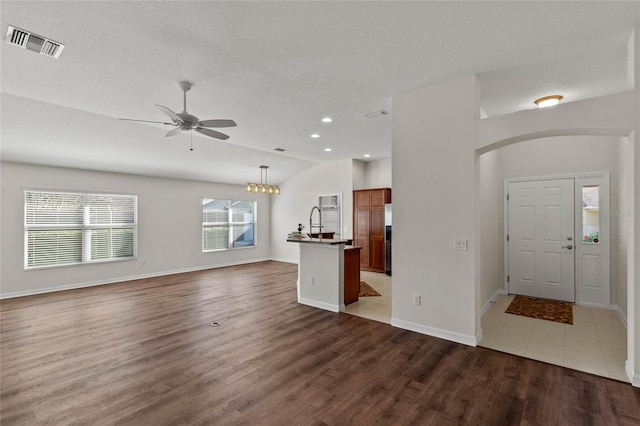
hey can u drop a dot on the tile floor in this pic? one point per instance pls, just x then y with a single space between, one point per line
377 308
596 342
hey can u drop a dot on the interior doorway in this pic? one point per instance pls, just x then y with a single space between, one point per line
376 308
597 341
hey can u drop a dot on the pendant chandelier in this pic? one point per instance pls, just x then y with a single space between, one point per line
264 188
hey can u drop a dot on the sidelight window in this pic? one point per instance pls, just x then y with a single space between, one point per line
591 214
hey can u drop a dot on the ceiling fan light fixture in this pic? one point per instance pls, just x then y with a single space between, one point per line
548 101
327 120
183 121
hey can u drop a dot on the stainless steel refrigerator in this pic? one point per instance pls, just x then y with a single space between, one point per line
387 239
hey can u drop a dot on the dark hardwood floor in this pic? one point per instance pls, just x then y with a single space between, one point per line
144 353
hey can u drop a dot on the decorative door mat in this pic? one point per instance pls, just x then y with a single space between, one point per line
366 290
550 310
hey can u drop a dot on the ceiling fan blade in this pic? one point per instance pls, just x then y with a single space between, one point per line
173 132
212 133
175 117
144 121
218 123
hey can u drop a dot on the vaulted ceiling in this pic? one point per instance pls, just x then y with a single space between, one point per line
277 68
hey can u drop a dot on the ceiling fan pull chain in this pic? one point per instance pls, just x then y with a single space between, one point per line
191 140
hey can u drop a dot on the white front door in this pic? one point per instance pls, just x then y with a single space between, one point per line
541 239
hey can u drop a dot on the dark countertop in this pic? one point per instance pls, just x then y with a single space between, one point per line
328 241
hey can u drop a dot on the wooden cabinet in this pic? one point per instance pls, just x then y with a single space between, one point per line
368 226
351 274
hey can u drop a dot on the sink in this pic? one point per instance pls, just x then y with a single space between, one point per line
327 235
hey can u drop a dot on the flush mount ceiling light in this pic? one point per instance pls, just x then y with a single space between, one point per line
548 101
367 155
327 120
264 188
33 42
315 136
327 149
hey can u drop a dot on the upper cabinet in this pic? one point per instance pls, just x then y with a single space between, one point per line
371 197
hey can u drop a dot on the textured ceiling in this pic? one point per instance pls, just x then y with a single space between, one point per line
277 68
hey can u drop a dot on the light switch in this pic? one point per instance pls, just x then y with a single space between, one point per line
460 245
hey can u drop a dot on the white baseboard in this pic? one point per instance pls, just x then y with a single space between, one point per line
320 305
452 336
285 260
633 378
593 305
478 337
493 298
621 314
122 279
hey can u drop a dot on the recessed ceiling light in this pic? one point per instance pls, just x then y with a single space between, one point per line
327 120
548 101
367 155
315 136
327 149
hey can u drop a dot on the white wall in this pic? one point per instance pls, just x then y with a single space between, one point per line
633 219
299 194
491 227
377 174
169 230
433 196
569 155
620 264
358 178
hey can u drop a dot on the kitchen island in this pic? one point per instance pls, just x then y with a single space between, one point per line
321 272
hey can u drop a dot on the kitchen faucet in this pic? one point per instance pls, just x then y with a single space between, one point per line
311 225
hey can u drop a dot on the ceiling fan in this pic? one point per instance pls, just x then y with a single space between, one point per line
183 121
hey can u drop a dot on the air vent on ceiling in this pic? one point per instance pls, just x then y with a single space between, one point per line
377 114
279 149
33 42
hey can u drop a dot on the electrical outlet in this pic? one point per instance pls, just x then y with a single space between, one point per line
416 299
346 229
460 245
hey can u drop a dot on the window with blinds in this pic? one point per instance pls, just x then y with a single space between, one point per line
70 228
227 224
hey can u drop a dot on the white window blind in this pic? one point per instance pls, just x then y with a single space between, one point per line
227 224
68 228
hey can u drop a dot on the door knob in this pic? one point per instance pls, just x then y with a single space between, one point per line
568 247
